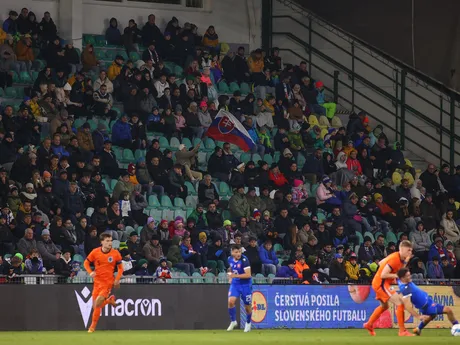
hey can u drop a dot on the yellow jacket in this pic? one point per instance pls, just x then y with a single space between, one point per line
352 271
113 71
35 109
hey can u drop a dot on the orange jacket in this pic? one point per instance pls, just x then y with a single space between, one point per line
299 268
23 52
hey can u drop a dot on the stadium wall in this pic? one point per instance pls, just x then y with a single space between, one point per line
236 21
199 306
383 78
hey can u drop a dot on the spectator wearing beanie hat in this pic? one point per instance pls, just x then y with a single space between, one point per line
254 201
352 268
153 252
201 247
366 252
287 271
135 250
148 231
255 225
127 262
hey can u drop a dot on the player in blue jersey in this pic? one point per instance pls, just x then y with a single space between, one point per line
421 300
239 274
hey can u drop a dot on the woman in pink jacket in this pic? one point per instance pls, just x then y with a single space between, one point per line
325 196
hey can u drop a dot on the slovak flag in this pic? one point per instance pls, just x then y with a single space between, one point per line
227 128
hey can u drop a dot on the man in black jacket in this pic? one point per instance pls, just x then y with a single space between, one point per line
207 192
151 32
109 164
213 217
252 253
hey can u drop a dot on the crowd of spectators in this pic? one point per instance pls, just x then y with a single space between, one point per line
336 201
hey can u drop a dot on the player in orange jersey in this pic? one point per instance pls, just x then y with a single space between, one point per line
384 278
104 259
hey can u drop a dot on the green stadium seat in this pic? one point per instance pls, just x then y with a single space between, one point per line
276 156
360 237
256 157
157 214
166 202
209 144
25 78
19 92
245 89
167 214
268 158
226 215
224 189
180 213
234 87
179 203
190 188
100 41
88 39
134 56
178 71
153 201
139 154
391 237
107 185
78 258
174 144
113 183
196 141
10 92
164 144
128 156
16 78
187 143
2 93
92 124
190 202
223 87
110 55
245 157
41 64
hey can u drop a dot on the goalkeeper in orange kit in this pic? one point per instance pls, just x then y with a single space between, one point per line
104 259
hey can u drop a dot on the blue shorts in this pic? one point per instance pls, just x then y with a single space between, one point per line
243 291
432 309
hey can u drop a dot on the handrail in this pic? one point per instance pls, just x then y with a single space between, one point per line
335 45
341 32
367 82
374 117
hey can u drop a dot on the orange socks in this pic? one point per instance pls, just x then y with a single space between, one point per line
96 316
400 317
375 315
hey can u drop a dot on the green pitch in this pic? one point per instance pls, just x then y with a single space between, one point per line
265 337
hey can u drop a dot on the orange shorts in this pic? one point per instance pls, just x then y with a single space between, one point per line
383 292
101 289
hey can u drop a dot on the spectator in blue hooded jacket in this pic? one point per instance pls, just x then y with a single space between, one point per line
57 148
437 249
112 34
287 271
121 133
268 257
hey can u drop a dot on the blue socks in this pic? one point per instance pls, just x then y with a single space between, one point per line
421 326
232 313
248 318
455 322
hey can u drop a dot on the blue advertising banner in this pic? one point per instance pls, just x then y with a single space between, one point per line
314 306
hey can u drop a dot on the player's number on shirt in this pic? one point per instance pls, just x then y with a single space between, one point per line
248 298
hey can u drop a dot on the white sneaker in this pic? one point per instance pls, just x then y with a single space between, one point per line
232 326
247 327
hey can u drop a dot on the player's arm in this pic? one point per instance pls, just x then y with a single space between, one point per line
386 273
245 275
87 264
119 273
409 307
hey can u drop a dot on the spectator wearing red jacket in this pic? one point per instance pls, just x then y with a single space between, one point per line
277 178
353 163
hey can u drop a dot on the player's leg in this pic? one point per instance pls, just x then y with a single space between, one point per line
369 325
233 294
247 300
100 294
422 325
450 315
397 301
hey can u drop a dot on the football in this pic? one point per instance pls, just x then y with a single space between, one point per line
455 330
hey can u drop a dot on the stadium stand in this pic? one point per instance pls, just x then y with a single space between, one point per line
112 138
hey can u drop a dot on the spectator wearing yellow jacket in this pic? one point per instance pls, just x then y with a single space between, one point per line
115 68
34 107
210 39
352 267
3 35
256 62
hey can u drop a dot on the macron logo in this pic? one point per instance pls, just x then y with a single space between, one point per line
84 304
